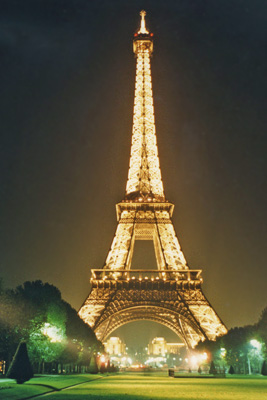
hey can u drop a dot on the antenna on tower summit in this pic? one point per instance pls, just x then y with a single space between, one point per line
143 23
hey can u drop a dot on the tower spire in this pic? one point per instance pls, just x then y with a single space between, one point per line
143 23
144 177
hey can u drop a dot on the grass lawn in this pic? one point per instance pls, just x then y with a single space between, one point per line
10 390
140 386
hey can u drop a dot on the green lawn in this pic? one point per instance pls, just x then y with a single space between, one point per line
138 386
9 390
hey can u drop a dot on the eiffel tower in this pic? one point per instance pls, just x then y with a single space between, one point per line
171 294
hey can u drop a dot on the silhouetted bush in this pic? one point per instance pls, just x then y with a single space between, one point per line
113 368
20 368
109 367
103 368
264 368
199 370
231 370
93 368
212 370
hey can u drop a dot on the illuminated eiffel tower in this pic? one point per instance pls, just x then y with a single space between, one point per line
171 294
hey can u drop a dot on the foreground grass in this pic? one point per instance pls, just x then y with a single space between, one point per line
134 386
10 390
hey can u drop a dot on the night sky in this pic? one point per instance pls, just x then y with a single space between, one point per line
67 89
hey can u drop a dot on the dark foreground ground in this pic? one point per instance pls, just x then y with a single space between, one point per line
135 386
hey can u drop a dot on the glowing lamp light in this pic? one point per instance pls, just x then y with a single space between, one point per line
52 332
255 344
193 361
223 352
103 358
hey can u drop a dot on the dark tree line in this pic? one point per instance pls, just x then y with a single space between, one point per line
242 350
57 339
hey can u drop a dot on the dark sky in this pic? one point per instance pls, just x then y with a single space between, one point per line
67 86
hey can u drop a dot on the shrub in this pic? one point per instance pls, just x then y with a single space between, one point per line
231 370
212 370
103 368
264 368
20 368
109 367
93 368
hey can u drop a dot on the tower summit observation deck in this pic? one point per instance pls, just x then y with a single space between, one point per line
170 294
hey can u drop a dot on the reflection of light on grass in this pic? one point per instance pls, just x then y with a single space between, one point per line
52 332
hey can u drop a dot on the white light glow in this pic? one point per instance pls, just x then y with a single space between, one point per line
52 332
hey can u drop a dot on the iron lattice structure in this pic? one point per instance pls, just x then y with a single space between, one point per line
171 294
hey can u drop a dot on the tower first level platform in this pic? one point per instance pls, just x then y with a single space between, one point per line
171 298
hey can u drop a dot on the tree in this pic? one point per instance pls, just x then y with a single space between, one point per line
109 366
261 328
54 332
20 368
211 348
231 370
264 368
212 370
242 348
199 370
236 343
103 368
10 329
93 368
